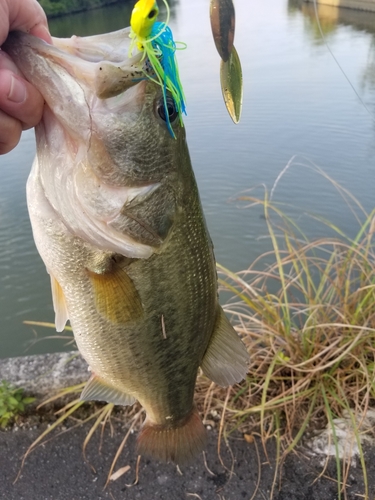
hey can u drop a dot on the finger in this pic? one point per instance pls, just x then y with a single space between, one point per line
19 99
11 130
7 63
23 15
42 32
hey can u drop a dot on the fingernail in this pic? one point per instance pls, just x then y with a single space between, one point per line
17 90
41 32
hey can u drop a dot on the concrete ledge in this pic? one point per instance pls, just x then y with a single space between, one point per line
40 375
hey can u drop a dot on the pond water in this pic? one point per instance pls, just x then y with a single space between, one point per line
298 108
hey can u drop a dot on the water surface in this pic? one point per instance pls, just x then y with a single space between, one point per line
296 103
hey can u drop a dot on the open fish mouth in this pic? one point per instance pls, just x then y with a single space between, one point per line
78 77
102 61
99 106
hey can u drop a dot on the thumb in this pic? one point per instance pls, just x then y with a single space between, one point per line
23 15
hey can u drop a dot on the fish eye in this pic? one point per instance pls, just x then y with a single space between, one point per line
170 107
152 13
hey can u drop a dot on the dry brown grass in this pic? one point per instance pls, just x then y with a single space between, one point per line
308 319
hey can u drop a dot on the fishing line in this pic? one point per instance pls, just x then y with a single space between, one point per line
337 62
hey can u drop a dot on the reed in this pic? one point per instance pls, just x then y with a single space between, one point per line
306 311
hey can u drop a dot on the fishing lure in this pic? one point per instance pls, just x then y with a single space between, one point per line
156 40
143 17
222 17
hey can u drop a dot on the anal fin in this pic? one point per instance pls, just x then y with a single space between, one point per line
226 359
59 305
98 390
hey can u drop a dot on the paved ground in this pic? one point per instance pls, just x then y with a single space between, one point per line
57 471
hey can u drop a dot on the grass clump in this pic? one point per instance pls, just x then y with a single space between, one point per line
306 311
309 322
12 403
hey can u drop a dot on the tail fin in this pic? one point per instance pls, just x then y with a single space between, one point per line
180 443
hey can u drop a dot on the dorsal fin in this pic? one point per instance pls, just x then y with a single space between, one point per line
226 359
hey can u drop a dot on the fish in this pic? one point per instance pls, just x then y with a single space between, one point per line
117 219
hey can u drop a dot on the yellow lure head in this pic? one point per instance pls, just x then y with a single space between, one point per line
143 17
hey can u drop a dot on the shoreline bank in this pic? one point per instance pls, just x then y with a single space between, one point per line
64 8
42 374
366 5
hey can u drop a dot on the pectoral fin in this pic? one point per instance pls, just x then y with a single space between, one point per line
59 305
98 390
116 297
226 359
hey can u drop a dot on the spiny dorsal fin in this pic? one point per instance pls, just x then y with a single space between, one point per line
116 297
226 359
59 305
98 390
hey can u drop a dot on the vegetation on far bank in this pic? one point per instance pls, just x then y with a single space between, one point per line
55 8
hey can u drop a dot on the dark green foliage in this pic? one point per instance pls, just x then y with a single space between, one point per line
54 8
12 402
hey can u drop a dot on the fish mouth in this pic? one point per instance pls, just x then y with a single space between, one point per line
85 138
84 80
101 62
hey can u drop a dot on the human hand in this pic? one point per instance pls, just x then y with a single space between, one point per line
21 104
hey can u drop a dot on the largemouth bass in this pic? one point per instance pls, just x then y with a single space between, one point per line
118 222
